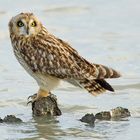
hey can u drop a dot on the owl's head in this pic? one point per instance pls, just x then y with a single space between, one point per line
25 24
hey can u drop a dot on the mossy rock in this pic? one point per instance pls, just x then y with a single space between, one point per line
46 106
120 112
105 115
11 119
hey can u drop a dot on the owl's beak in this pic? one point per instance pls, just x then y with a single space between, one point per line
27 30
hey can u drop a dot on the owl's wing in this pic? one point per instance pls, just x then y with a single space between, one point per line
59 59
55 57
67 45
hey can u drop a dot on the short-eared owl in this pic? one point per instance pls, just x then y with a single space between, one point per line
49 59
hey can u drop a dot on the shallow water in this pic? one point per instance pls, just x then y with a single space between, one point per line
105 32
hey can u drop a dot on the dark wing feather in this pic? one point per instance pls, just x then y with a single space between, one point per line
96 87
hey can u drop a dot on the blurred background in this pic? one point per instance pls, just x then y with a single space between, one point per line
104 32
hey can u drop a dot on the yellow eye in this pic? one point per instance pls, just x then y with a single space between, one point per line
20 23
33 24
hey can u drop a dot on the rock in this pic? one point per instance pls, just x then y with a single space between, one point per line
1 120
105 115
46 106
88 118
12 119
116 113
120 112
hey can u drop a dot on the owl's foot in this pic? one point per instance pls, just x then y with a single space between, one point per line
33 98
41 93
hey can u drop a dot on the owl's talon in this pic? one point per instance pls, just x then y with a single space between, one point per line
29 102
32 96
53 96
29 97
33 99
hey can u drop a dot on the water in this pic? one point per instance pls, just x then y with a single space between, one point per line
105 32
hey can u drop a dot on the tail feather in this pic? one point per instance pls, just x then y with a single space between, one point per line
105 72
96 87
94 81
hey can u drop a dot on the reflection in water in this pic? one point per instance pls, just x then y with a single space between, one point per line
111 129
50 128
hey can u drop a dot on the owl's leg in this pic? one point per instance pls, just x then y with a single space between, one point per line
41 93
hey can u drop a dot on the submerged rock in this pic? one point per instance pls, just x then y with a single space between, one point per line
105 115
120 112
10 119
116 113
46 106
1 120
88 118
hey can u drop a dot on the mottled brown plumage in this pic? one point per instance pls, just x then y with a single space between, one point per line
49 59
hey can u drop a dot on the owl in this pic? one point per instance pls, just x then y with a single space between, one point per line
48 59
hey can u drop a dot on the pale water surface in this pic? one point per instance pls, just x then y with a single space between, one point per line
103 31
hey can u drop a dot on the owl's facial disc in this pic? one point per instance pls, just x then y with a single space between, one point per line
26 28
25 24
